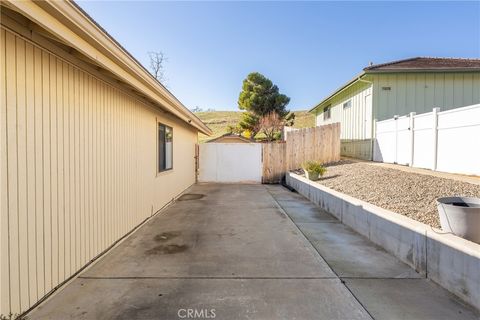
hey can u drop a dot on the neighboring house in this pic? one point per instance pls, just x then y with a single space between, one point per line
91 146
230 138
385 90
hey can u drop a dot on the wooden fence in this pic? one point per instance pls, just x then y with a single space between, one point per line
321 144
274 162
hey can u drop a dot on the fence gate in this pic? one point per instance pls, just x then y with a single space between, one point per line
230 162
444 141
274 162
393 141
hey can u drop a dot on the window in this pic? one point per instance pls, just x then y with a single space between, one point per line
347 104
326 113
165 147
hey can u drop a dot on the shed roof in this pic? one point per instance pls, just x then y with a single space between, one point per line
230 135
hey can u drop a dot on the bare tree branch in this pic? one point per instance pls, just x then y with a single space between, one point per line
157 68
271 124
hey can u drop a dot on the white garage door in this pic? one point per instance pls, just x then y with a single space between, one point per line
230 162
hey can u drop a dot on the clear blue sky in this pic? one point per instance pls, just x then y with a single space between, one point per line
307 48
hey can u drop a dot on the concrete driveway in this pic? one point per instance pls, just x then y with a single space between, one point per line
248 252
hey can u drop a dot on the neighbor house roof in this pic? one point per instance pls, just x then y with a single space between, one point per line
426 64
68 24
417 64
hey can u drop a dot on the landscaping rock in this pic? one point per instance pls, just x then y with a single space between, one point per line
407 193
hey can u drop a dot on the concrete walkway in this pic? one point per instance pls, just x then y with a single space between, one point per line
249 252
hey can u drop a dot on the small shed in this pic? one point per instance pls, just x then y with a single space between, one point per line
230 138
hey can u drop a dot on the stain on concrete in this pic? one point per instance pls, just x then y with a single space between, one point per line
165 236
167 249
191 196
229 234
281 214
410 255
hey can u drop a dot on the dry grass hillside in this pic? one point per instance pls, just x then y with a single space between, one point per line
218 121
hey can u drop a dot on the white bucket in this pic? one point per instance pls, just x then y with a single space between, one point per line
460 216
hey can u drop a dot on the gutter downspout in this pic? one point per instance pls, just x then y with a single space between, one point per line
372 117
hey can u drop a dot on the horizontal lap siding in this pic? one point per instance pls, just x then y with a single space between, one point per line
78 169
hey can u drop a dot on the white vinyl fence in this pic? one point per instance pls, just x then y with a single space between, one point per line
446 141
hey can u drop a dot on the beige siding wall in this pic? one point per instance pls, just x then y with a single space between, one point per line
78 168
421 92
354 118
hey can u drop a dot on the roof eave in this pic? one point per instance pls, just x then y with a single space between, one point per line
106 52
368 70
413 70
346 85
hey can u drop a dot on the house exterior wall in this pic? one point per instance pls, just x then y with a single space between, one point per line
355 120
421 92
416 92
78 168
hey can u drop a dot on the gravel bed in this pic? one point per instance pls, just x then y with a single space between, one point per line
410 194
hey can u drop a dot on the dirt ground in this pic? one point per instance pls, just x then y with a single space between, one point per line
410 194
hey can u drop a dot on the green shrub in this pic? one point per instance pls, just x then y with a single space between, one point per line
314 167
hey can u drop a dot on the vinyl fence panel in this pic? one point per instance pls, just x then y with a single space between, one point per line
423 147
446 141
459 140
385 142
403 144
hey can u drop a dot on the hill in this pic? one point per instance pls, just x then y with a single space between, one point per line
218 121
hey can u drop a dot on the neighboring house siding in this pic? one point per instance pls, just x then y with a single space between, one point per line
78 168
355 120
416 92
354 117
421 92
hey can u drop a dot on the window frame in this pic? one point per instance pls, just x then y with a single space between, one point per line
327 112
159 125
347 104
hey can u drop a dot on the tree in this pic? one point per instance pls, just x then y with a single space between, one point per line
261 97
272 124
196 109
157 68
234 129
250 122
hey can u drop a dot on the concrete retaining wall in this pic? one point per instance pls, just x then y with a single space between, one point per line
450 261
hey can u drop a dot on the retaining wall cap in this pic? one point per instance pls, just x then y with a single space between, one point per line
455 242
448 239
